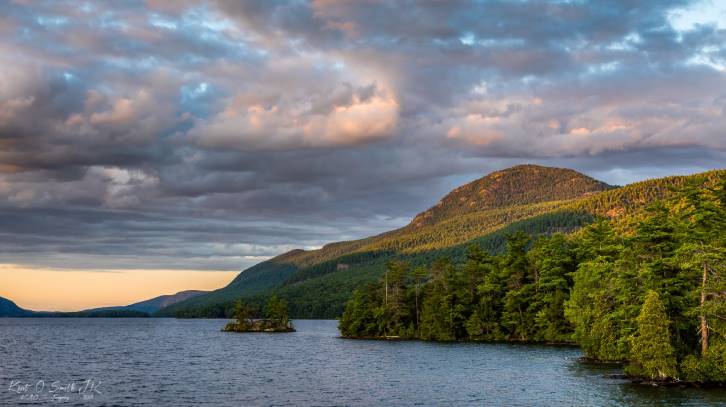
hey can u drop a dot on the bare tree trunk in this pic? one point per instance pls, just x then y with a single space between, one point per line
386 301
417 321
704 323
521 323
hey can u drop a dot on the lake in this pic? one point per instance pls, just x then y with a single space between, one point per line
159 362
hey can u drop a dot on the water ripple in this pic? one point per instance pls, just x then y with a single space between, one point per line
167 362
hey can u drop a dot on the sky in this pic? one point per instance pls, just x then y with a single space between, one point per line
155 146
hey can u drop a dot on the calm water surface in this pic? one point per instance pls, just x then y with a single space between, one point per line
160 362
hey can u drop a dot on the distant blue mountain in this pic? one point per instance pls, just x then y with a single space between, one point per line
152 305
10 309
139 309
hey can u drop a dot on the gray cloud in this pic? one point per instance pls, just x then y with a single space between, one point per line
210 135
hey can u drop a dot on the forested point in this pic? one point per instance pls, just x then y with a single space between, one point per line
652 296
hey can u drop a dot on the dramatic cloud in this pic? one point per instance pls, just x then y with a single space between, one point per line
344 116
209 135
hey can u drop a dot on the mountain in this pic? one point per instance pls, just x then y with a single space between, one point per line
154 304
162 301
10 309
523 184
535 199
139 309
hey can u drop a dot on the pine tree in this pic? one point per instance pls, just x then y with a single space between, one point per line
702 229
242 313
553 262
358 319
419 275
517 316
651 353
276 310
396 311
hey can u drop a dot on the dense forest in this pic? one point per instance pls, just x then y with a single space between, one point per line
651 294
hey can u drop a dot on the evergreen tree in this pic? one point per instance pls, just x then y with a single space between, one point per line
702 229
484 322
553 262
439 316
276 310
517 316
395 307
651 353
359 319
242 313
419 275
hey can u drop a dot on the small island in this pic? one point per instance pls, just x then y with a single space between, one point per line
276 318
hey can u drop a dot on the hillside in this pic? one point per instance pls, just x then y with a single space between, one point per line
10 309
152 305
139 309
520 185
534 199
162 301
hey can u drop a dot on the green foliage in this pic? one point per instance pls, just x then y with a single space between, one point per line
651 353
591 308
641 295
708 367
484 298
276 310
359 319
242 313
553 263
674 262
523 184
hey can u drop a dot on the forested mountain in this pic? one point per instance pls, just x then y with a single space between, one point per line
533 199
520 185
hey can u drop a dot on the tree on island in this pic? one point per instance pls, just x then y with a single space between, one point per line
651 353
276 311
243 314
276 318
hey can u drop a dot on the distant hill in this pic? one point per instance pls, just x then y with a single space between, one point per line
531 198
520 185
10 309
139 309
154 304
157 303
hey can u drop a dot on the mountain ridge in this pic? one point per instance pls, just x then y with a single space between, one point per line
547 176
154 304
9 309
503 188
142 308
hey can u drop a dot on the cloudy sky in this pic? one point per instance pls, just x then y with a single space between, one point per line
208 136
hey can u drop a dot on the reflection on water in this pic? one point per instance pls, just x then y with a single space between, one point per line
190 362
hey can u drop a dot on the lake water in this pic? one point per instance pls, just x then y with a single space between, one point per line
160 362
